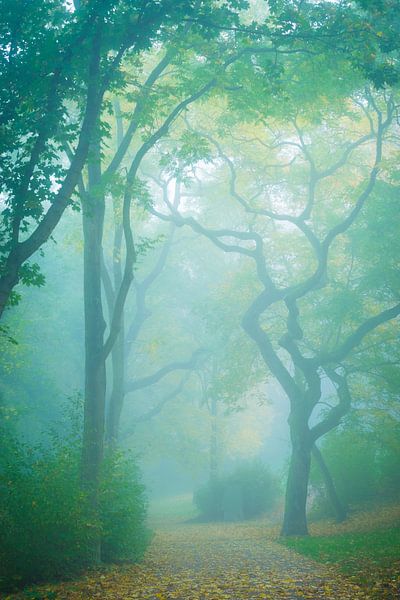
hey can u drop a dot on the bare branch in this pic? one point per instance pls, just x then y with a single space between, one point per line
130 258
138 384
135 121
142 313
357 337
167 398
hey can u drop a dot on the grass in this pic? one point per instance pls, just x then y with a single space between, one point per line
369 558
378 547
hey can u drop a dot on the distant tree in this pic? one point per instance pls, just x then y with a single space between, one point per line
294 274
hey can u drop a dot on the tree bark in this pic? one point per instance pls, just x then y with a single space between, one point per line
95 374
295 517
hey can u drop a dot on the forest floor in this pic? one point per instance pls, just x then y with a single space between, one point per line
241 561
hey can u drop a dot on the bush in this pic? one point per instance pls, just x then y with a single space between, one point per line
123 508
44 517
244 494
208 500
47 527
363 461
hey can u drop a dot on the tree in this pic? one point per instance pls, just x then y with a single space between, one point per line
162 57
297 274
76 57
144 121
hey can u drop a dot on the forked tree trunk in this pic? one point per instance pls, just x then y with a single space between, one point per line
295 516
95 374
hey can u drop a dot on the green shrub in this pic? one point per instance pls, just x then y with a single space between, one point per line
259 488
45 523
208 500
47 528
363 461
123 511
249 491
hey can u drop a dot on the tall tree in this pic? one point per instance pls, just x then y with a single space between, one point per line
74 58
305 277
146 127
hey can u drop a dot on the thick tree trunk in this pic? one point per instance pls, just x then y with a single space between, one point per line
339 509
95 375
22 251
295 517
8 282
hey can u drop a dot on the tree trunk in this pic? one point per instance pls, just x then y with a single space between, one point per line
118 352
338 507
95 374
295 517
214 442
118 391
8 282
22 251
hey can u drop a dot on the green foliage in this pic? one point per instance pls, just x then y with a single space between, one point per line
363 461
123 510
257 488
4 333
44 517
47 524
192 149
208 500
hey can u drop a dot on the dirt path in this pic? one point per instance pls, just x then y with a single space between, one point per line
215 562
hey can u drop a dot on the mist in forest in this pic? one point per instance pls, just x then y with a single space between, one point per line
199 299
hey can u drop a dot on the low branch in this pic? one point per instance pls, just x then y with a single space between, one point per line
160 405
357 337
107 285
138 384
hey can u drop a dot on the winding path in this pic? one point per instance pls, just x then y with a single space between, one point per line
216 562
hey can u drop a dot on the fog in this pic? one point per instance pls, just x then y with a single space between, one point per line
199 300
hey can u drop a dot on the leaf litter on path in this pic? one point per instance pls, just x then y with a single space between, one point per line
213 562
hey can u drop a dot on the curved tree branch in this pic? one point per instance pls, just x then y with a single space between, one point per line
357 337
336 413
138 384
130 257
160 405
